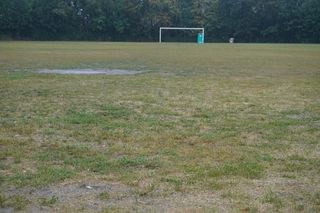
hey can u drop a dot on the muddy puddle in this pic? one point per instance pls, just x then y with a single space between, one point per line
88 72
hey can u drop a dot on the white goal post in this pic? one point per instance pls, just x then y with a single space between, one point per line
180 28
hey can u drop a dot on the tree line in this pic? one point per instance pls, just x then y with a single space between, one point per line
139 20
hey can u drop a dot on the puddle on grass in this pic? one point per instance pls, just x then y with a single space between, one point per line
89 72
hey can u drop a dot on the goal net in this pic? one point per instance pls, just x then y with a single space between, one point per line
200 38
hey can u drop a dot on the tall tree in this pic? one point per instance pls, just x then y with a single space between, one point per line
15 18
139 20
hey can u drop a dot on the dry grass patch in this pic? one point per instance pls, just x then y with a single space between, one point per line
207 128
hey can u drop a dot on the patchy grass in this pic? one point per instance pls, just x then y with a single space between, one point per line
17 202
104 196
50 202
243 169
273 199
235 123
2 201
42 177
139 161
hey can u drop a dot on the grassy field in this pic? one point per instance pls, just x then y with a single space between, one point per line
218 127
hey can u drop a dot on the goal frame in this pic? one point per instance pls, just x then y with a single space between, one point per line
180 28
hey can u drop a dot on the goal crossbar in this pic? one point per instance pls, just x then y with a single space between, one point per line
180 28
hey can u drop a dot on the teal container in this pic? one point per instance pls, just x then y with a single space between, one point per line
200 38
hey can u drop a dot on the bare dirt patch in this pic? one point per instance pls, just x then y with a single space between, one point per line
90 196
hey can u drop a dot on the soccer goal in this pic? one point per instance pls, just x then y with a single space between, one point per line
200 36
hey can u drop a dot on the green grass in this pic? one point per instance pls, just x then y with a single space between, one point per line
229 121
43 176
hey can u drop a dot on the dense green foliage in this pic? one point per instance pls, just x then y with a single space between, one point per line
139 20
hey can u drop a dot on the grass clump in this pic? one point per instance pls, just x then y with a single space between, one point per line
42 177
4 166
316 199
176 182
74 117
273 199
250 170
150 163
116 112
17 202
2 201
104 196
79 157
50 202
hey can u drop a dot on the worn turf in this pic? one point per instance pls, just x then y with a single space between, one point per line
215 127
